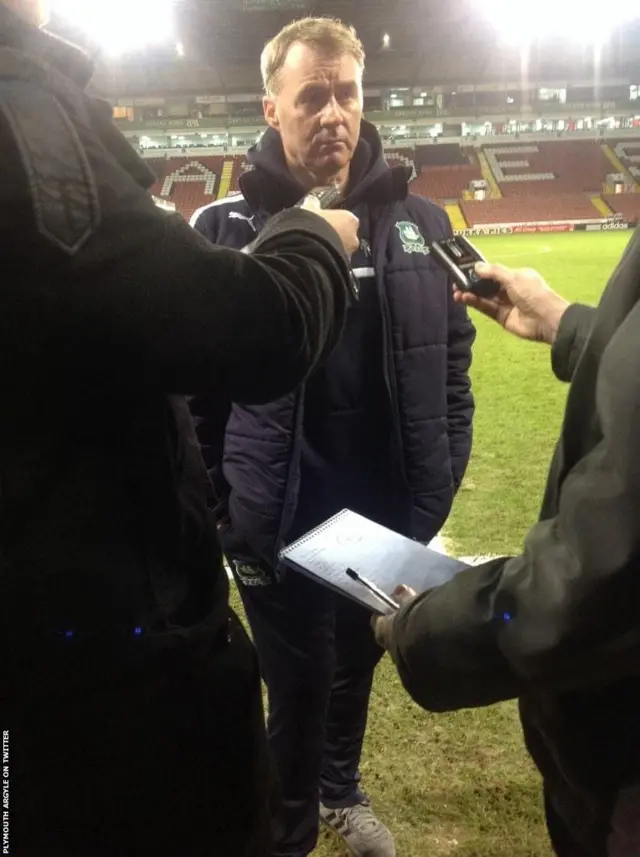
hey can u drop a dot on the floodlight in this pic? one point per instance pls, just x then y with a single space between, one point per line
121 26
585 23
386 40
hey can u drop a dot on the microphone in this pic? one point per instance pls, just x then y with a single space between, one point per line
329 196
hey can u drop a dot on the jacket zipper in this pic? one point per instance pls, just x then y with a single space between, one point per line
379 242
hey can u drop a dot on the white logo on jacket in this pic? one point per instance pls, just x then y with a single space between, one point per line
237 215
411 237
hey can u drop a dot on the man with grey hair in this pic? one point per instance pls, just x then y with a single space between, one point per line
383 427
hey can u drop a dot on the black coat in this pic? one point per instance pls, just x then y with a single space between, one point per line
111 572
559 626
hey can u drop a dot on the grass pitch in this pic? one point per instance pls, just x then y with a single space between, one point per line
461 785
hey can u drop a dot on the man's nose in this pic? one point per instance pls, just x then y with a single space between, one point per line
331 114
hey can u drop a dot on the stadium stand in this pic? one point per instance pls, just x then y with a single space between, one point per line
445 171
188 182
540 207
561 167
457 218
225 178
402 157
445 184
628 153
530 182
626 204
399 156
442 155
239 166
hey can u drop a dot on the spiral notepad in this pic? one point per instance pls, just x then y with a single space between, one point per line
384 557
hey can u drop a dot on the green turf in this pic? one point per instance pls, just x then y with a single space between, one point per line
461 785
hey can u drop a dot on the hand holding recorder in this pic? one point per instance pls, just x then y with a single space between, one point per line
519 300
524 304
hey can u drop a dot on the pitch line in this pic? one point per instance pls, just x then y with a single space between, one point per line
539 251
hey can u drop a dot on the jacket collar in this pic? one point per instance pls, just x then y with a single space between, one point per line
269 186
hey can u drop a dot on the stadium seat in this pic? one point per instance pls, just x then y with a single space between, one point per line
444 170
628 152
445 183
531 209
441 155
626 204
545 168
402 157
189 183
239 166
576 172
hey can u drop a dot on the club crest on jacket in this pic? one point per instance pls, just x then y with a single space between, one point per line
411 237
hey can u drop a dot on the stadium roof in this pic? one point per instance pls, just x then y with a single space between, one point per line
430 42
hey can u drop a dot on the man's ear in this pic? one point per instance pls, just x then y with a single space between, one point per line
270 114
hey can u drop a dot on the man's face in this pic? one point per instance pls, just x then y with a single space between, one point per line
317 111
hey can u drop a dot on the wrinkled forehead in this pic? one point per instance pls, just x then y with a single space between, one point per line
306 64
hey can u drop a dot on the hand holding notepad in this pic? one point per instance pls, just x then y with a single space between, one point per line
382 557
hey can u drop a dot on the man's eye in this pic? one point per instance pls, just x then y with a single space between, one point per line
313 96
345 94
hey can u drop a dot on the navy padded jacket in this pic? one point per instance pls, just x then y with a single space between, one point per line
253 453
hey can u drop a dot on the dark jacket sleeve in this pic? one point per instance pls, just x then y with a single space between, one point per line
575 328
460 404
210 410
564 614
188 316
206 318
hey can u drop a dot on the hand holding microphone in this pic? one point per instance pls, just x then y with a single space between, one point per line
319 201
344 222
